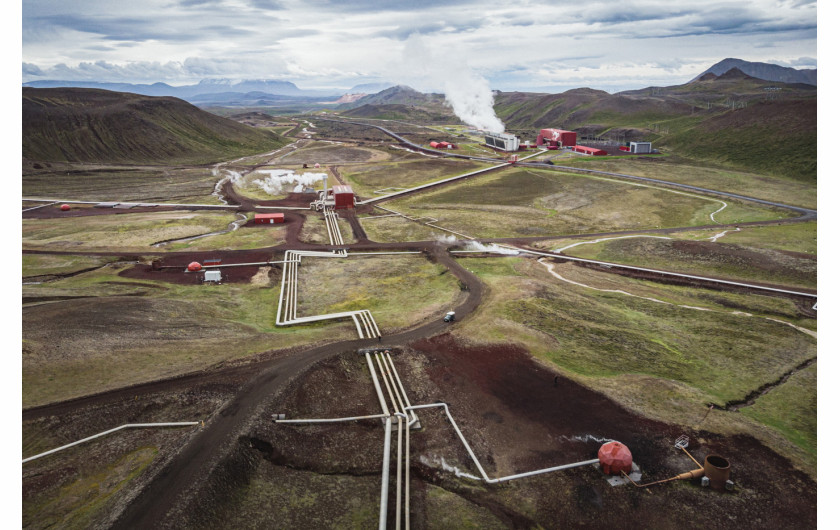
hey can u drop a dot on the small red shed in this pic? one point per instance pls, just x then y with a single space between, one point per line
343 197
268 218
434 144
65 207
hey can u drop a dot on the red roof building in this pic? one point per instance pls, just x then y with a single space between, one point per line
269 218
592 151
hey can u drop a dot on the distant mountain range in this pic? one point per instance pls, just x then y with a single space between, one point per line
256 92
766 71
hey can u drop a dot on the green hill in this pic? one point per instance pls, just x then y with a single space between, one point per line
91 125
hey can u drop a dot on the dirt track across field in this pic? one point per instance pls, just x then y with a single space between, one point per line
497 384
197 459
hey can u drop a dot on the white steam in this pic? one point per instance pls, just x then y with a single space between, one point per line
469 94
492 247
280 180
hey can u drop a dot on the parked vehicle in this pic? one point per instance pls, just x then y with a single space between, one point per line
449 316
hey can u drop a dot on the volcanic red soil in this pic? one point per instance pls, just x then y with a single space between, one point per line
516 419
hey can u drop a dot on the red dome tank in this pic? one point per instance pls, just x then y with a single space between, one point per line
64 207
615 457
194 266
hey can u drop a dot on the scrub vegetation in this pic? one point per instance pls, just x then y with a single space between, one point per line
526 202
98 330
691 347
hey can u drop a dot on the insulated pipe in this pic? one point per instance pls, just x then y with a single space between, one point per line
282 288
358 329
386 463
387 386
368 329
376 384
407 475
402 389
372 321
399 466
335 420
478 465
393 384
109 431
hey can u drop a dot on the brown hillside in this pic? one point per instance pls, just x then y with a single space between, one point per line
91 125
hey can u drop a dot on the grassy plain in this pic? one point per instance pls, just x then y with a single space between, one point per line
102 331
664 351
720 259
526 202
123 232
58 264
397 229
404 174
122 183
675 169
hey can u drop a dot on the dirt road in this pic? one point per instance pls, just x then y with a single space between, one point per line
170 489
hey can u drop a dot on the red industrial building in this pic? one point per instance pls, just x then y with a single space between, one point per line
269 218
557 138
442 145
592 151
343 196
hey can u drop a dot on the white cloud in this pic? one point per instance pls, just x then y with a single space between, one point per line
598 43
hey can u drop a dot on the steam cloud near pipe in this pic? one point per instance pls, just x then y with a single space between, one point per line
466 92
278 178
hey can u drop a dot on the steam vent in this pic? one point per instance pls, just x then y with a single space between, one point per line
615 457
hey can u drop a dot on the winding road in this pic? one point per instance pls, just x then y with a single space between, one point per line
158 504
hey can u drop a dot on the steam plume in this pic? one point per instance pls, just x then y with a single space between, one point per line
278 178
466 92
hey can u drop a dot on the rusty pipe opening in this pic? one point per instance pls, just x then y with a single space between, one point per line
717 469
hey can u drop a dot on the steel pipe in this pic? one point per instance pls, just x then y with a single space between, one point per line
478 464
386 464
103 433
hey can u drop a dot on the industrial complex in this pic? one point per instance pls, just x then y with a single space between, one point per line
398 363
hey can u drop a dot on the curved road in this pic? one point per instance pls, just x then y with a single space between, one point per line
170 489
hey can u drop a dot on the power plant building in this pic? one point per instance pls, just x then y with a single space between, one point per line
503 141
640 147
557 138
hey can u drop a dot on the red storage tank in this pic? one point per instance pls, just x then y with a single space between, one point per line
65 207
343 197
194 266
615 457
269 218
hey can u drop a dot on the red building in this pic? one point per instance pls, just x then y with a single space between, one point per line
343 197
557 137
268 218
592 151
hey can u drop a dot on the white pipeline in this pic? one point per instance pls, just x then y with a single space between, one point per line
335 420
121 427
402 389
386 464
478 465
376 384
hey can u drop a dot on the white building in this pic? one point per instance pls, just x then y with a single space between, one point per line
640 147
503 141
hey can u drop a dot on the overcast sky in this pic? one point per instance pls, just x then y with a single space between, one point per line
521 45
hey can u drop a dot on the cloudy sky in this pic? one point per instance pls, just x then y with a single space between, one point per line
521 45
